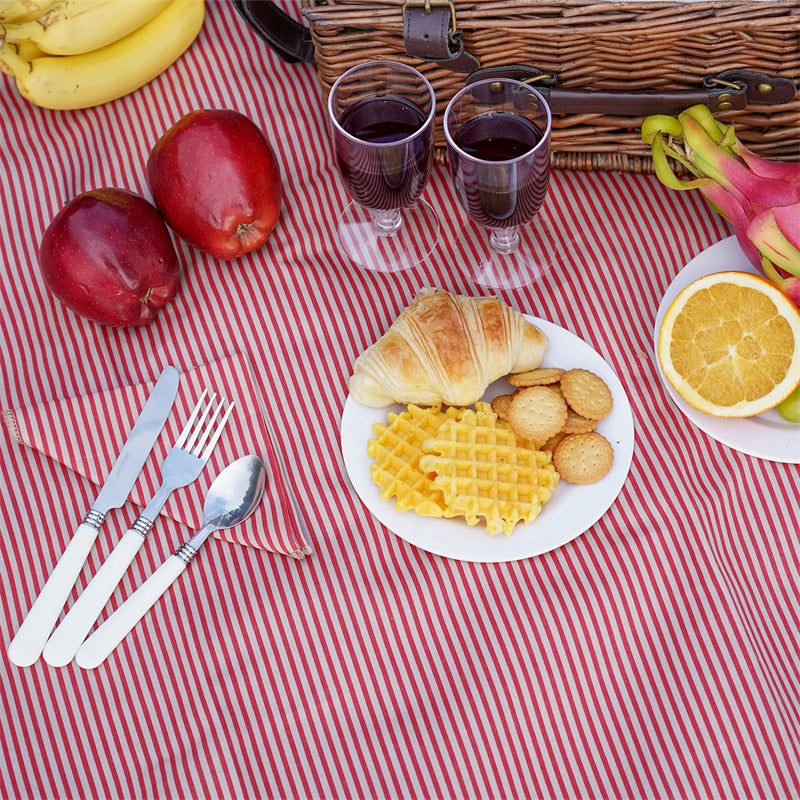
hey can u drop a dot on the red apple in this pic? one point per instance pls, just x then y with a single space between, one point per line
109 257
215 179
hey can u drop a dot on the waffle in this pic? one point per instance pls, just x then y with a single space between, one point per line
397 449
482 471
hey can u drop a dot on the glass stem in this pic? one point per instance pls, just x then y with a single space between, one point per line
504 240
386 223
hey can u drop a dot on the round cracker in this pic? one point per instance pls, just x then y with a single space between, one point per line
586 393
536 413
553 387
536 377
553 441
500 406
583 458
577 424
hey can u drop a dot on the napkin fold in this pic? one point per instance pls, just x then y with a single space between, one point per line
86 433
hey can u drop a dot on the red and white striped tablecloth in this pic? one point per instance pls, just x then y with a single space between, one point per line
653 657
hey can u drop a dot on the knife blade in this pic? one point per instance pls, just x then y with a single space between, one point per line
29 641
139 443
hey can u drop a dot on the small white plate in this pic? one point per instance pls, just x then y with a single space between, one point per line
570 511
768 435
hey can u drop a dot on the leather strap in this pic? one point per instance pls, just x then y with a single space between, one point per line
732 89
429 33
286 36
639 104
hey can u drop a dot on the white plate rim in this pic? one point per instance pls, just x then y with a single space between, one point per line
767 436
454 534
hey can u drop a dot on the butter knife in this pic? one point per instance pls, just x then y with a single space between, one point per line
30 639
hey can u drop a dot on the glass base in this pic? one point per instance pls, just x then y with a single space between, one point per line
527 263
374 241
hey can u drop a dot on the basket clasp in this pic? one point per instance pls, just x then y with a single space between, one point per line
430 32
429 4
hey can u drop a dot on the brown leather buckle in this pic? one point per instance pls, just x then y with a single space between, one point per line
428 5
430 32
759 89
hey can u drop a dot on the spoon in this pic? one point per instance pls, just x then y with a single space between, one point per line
231 499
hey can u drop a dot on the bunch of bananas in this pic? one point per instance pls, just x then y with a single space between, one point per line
68 54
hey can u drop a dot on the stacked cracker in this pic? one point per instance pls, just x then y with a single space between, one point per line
557 410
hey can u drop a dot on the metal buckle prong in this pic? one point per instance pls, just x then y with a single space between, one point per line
544 76
726 84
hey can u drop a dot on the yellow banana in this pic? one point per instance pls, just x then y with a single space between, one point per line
90 79
26 50
23 10
29 51
5 67
78 26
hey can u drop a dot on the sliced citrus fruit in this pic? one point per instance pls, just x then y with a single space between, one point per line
730 344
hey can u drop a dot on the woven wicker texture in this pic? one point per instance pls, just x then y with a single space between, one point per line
618 46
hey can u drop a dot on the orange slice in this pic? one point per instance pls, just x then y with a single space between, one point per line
730 345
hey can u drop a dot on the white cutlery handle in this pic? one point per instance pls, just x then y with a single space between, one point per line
26 646
69 635
103 641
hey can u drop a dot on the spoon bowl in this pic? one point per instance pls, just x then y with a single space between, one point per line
235 493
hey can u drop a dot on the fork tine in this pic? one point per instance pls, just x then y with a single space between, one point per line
198 427
220 427
188 426
197 447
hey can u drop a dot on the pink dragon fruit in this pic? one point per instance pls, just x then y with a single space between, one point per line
759 197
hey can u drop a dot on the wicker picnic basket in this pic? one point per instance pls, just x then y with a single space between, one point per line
744 54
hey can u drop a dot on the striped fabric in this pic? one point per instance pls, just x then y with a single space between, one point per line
653 657
86 434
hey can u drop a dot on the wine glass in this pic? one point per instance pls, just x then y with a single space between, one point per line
498 144
382 116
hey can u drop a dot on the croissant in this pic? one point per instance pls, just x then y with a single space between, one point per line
446 348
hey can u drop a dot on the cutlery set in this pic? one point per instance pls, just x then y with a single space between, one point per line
232 497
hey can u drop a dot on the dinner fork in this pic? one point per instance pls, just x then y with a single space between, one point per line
183 464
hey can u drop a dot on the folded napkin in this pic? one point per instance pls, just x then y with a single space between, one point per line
86 433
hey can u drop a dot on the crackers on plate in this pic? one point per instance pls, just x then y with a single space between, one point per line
536 413
536 377
558 410
583 458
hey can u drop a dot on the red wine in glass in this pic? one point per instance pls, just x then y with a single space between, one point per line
381 115
498 146
381 167
503 182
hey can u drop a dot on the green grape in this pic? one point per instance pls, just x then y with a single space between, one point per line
790 407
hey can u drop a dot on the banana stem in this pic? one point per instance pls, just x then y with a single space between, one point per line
28 51
15 33
23 10
12 63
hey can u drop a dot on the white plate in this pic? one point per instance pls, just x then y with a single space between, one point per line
768 435
570 511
